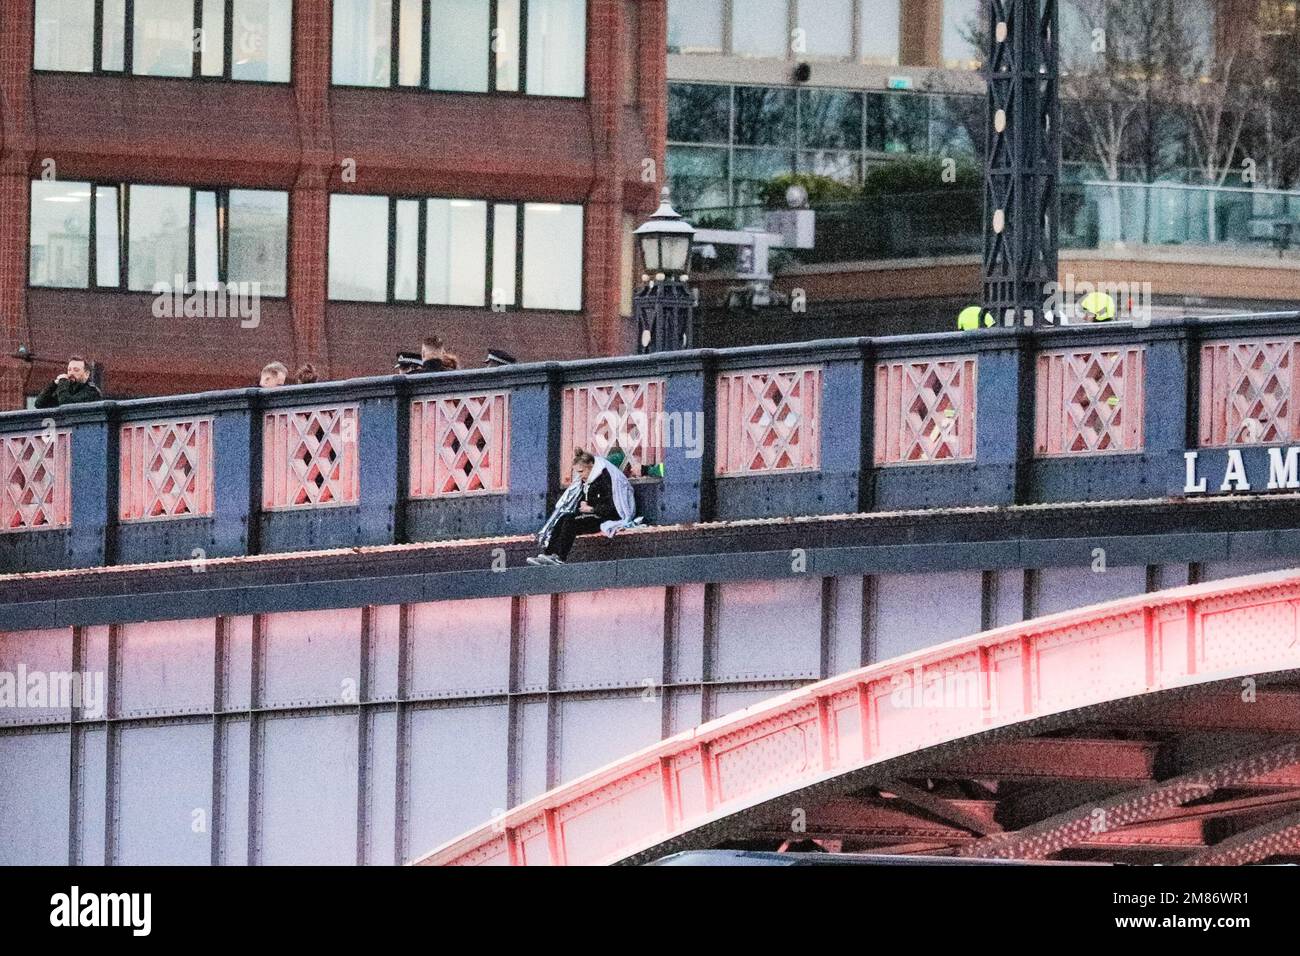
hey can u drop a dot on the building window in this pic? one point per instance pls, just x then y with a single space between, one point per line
258 230
824 28
781 29
898 122
557 45
60 234
725 143
475 46
363 37
505 254
65 35
458 59
761 30
963 34
830 119
765 116
358 248
261 40
164 38
456 249
167 38
878 36
158 221
699 113
203 236
695 26
507 45
552 256
467 252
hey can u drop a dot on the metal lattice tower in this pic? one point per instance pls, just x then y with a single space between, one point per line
1022 159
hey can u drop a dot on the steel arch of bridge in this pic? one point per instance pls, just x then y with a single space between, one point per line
1154 661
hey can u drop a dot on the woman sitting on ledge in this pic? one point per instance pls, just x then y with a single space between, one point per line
599 499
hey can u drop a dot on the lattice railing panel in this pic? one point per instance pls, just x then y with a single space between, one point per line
1090 402
166 469
599 415
1247 392
768 421
309 457
37 493
925 410
460 445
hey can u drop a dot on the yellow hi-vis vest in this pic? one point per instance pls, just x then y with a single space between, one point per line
1098 305
972 316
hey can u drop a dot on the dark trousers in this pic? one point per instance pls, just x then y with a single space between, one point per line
568 528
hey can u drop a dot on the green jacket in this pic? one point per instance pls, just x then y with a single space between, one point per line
67 392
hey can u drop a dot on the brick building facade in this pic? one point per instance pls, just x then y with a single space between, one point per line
304 137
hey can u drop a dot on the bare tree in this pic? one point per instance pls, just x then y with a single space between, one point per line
1218 92
1217 107
1272 133
1106 97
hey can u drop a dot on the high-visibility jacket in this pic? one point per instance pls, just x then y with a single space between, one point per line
1098 306
972 317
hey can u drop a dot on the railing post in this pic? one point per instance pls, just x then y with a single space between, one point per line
381 459
687 495
534 449
93 481
236 478
867 429
845 441
1170 398
1004 422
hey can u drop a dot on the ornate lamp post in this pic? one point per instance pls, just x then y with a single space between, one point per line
664 306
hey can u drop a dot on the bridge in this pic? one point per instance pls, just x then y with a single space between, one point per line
1080 735
318 640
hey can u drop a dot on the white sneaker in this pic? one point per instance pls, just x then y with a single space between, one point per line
537 560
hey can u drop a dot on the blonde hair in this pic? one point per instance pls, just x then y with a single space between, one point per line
582 457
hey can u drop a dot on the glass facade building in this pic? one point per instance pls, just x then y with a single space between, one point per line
725 141
888 79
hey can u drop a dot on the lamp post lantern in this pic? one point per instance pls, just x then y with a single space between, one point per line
665 305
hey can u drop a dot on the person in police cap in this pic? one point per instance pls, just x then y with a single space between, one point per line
408 362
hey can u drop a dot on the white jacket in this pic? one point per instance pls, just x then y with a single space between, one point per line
624 498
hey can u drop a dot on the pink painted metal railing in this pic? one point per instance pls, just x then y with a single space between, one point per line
166 469
768 421
599 415
309 457
460 445
1246 392
37 493
1089 402
925 410
1055 664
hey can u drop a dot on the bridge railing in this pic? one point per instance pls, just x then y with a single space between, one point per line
995 417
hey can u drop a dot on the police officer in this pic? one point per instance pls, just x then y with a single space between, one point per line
1097 307
972 317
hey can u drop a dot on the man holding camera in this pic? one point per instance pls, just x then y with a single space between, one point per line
70 387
